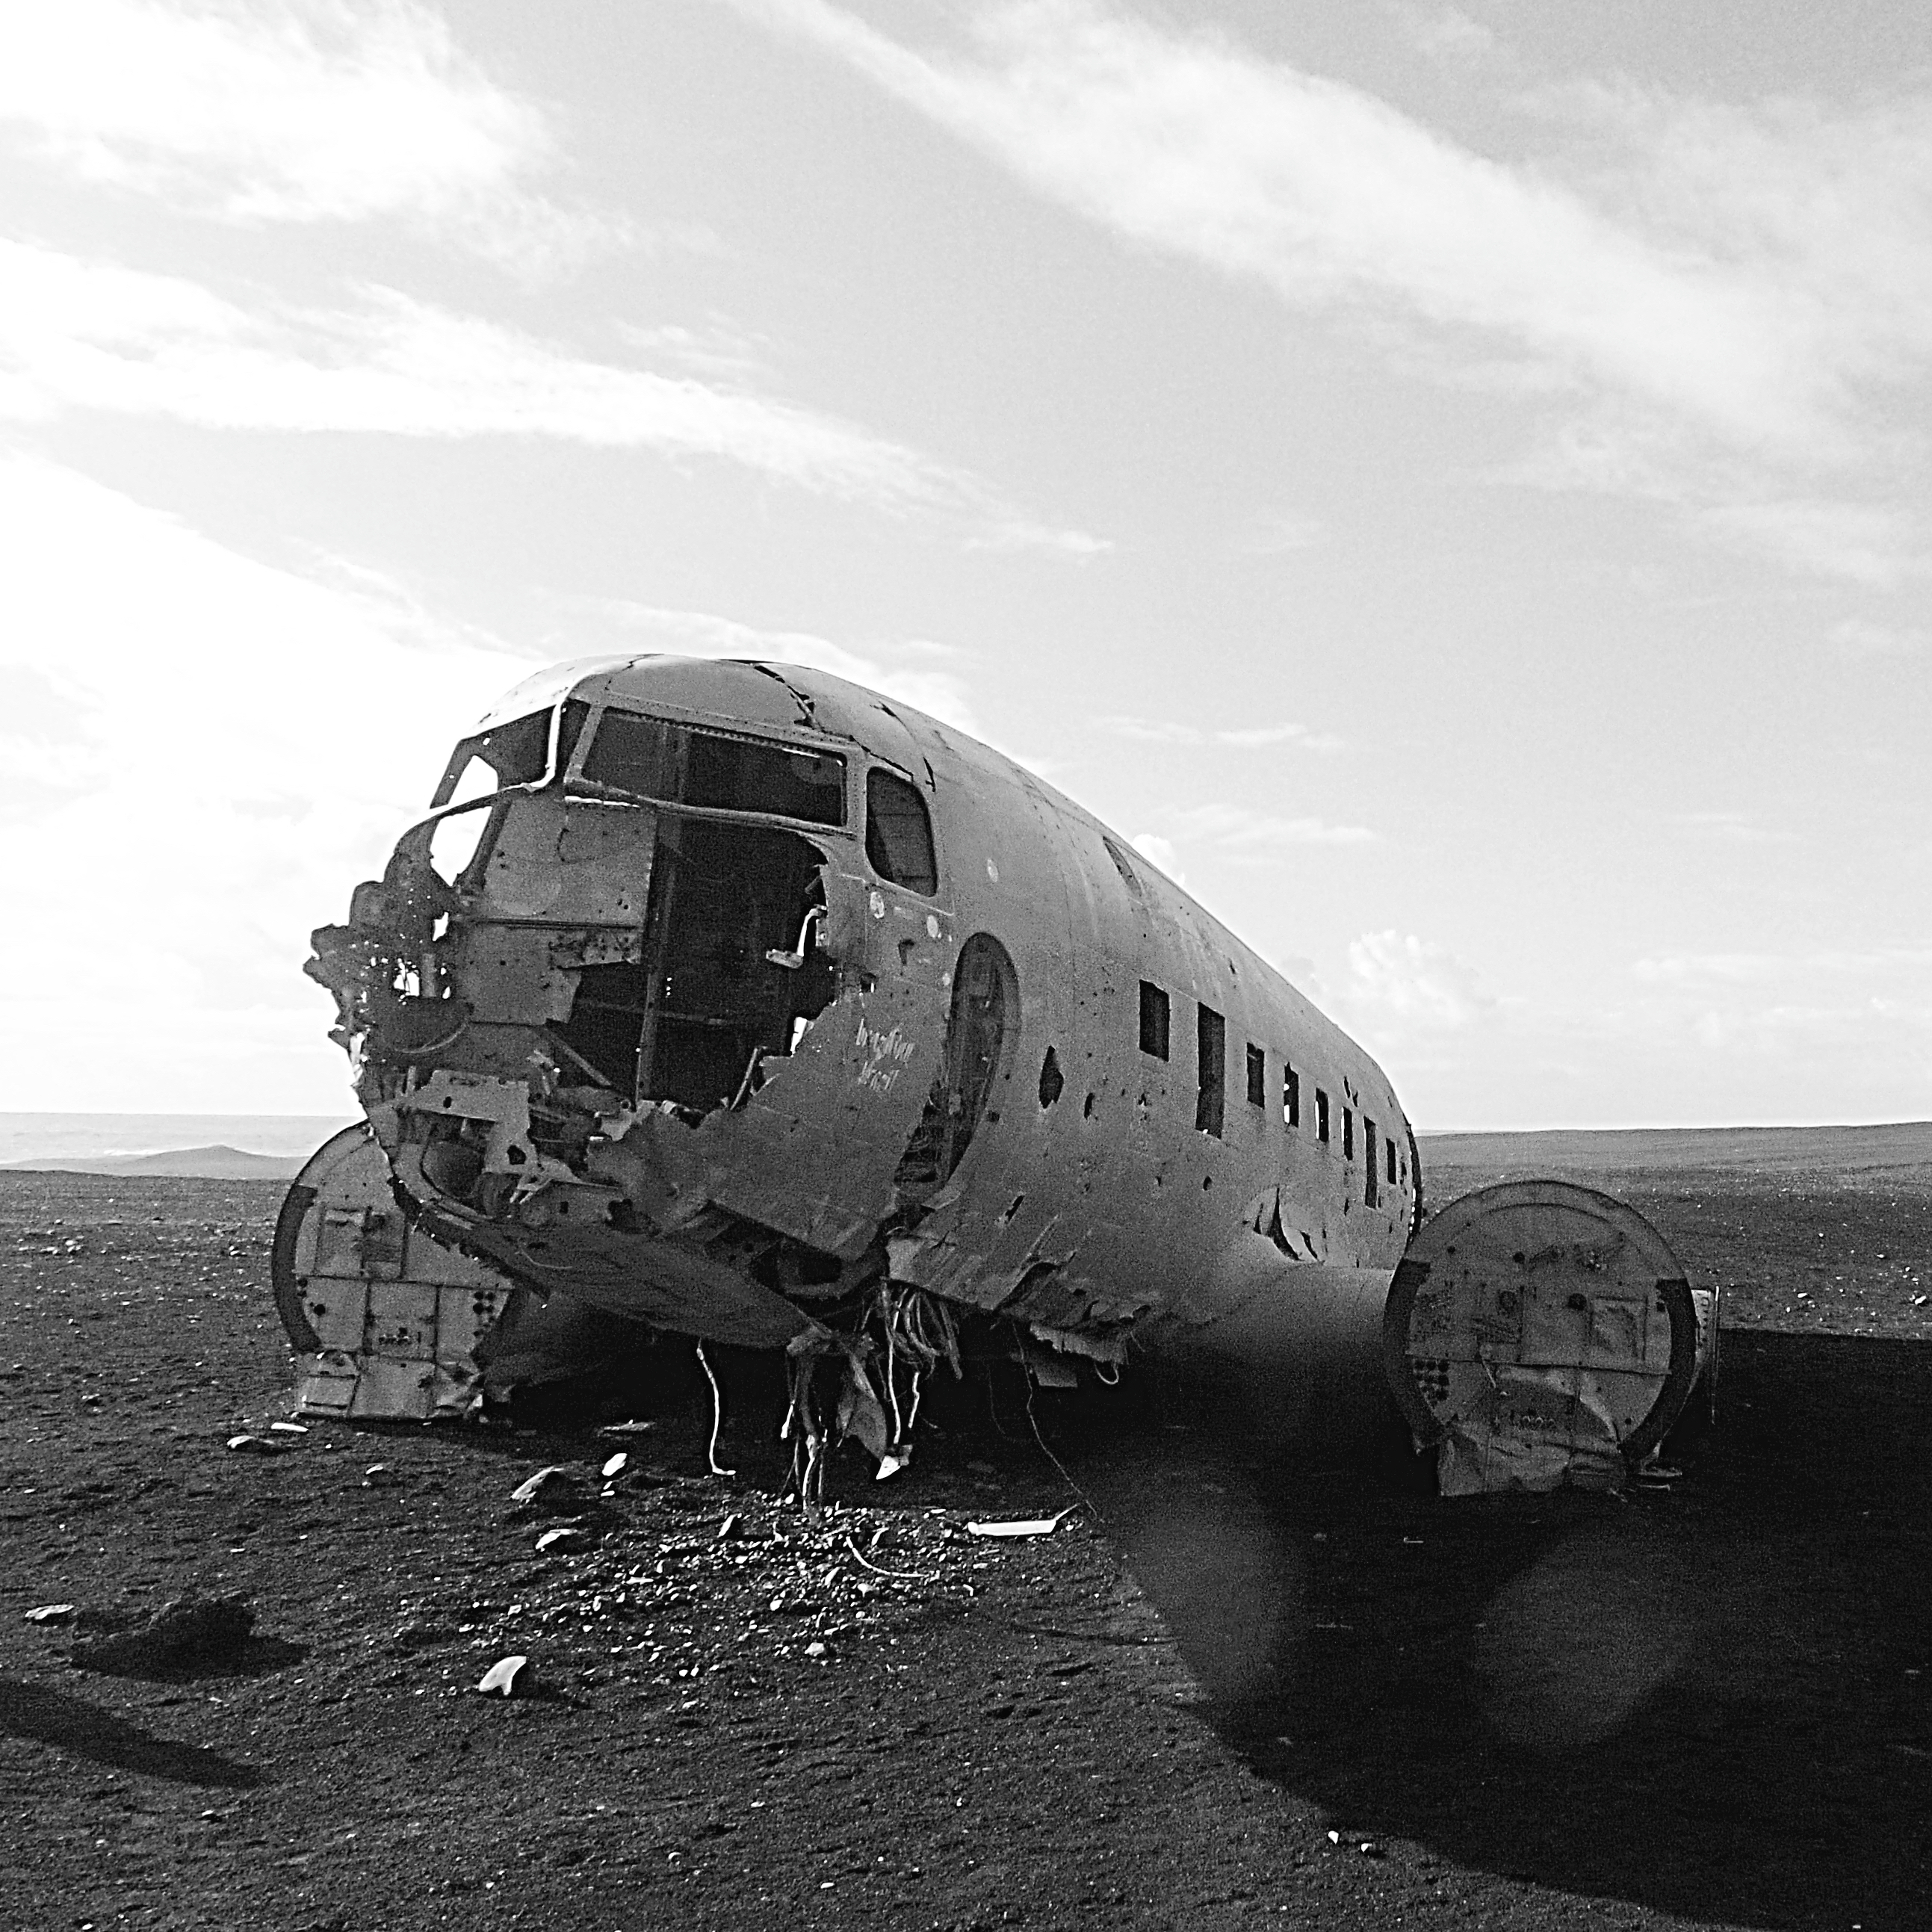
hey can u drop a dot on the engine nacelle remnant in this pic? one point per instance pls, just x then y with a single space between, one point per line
1539 1333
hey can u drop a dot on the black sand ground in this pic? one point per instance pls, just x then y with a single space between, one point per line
1192 1705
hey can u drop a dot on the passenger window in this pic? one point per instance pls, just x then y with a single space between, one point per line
1154 1020
898 834
1290 1097
1389 1149
1370 1194
1321 1115
1257 1076
1347 1133
1211 1080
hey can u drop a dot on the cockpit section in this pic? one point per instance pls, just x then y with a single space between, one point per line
622 920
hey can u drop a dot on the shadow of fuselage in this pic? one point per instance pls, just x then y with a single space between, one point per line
74 1725
1703 1700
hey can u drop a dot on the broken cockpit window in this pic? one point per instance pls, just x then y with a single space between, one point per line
636 756
527 751
517 753
898 834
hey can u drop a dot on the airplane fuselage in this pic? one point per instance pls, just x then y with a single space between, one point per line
758 993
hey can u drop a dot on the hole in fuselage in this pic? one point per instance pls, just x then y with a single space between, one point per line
690 1023
1052 1081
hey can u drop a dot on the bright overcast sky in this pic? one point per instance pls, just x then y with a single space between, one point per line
1453 484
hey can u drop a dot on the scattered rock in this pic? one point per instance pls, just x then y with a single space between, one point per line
188 1633
418 1636
729 1528
507 1677
562 1540
52 1613
814 1648
290 1428
380 1476
253 1445
532 1488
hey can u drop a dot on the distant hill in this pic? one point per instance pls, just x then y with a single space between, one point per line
202 1163
1841 1149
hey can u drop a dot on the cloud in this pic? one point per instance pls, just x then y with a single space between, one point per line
1856 638
1875 544
1328 196
904 671
1150 845
287 110
1254 737
1398 982
1734 828
1721 297
1242 833
1277 533
1171 731
1446 33
1815 969
76 334
236 746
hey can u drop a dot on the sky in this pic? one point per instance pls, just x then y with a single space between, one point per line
1453 484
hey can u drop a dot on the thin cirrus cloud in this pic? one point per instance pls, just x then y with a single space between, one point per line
1815 970
1238 831
77 335
1859 637
288 110
1724 298
1328 195
1171 731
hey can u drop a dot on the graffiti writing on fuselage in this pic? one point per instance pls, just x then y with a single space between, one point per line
885 1055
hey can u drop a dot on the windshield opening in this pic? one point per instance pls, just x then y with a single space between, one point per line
678 764
517 753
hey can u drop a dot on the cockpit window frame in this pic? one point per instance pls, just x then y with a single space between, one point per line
575 784
880 767
460 757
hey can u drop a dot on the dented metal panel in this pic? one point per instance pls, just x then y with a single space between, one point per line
387 1322
1542 1334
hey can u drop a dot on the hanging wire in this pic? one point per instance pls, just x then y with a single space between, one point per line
1034 1423
717 1414
803 1429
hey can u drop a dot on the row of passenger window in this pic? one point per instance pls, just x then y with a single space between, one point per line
1380 1159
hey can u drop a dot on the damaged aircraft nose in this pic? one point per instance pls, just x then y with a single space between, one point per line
572 1027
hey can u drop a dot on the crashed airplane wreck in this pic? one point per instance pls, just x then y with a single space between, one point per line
734 1000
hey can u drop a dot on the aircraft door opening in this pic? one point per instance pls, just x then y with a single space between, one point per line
732 973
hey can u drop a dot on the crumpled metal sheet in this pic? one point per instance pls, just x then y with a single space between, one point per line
385 1322
1541 1334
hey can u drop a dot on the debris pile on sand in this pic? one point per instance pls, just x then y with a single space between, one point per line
694 1582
